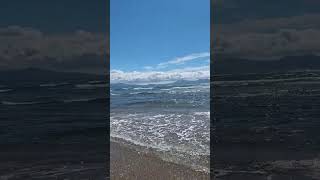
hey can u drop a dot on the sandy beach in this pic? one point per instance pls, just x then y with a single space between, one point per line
128 164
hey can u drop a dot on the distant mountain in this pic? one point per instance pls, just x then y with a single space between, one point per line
192 82
285 64
85 63
30 75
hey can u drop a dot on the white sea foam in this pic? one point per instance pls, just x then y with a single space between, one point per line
186 89
206 113
134 93
143 88
178 133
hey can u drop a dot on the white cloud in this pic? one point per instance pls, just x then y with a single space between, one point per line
22 47
30 43
268 38
189 73
148 67
183 60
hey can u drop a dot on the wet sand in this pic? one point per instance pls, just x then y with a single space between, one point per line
128 164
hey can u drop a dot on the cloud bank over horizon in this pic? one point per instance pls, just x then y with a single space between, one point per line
149 77
23 47
269 38
179 68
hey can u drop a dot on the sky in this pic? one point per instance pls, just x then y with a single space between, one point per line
228 11
56 35
152 40
158 40
265 29
55 16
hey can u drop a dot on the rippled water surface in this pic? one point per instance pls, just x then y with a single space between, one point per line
172 119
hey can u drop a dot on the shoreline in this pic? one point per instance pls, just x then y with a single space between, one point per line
129 164
164 155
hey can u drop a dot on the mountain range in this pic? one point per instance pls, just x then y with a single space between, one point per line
30 75
220 66
285 64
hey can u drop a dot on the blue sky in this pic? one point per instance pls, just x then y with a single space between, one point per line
56 16
228 11
153 35
62 35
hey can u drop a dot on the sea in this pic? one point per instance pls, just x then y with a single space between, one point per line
55 112
267 125
170 120
53 128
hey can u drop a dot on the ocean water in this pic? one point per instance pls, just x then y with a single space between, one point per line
53 112
267 125
53 126
171 120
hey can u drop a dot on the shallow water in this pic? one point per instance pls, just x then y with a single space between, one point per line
172 119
